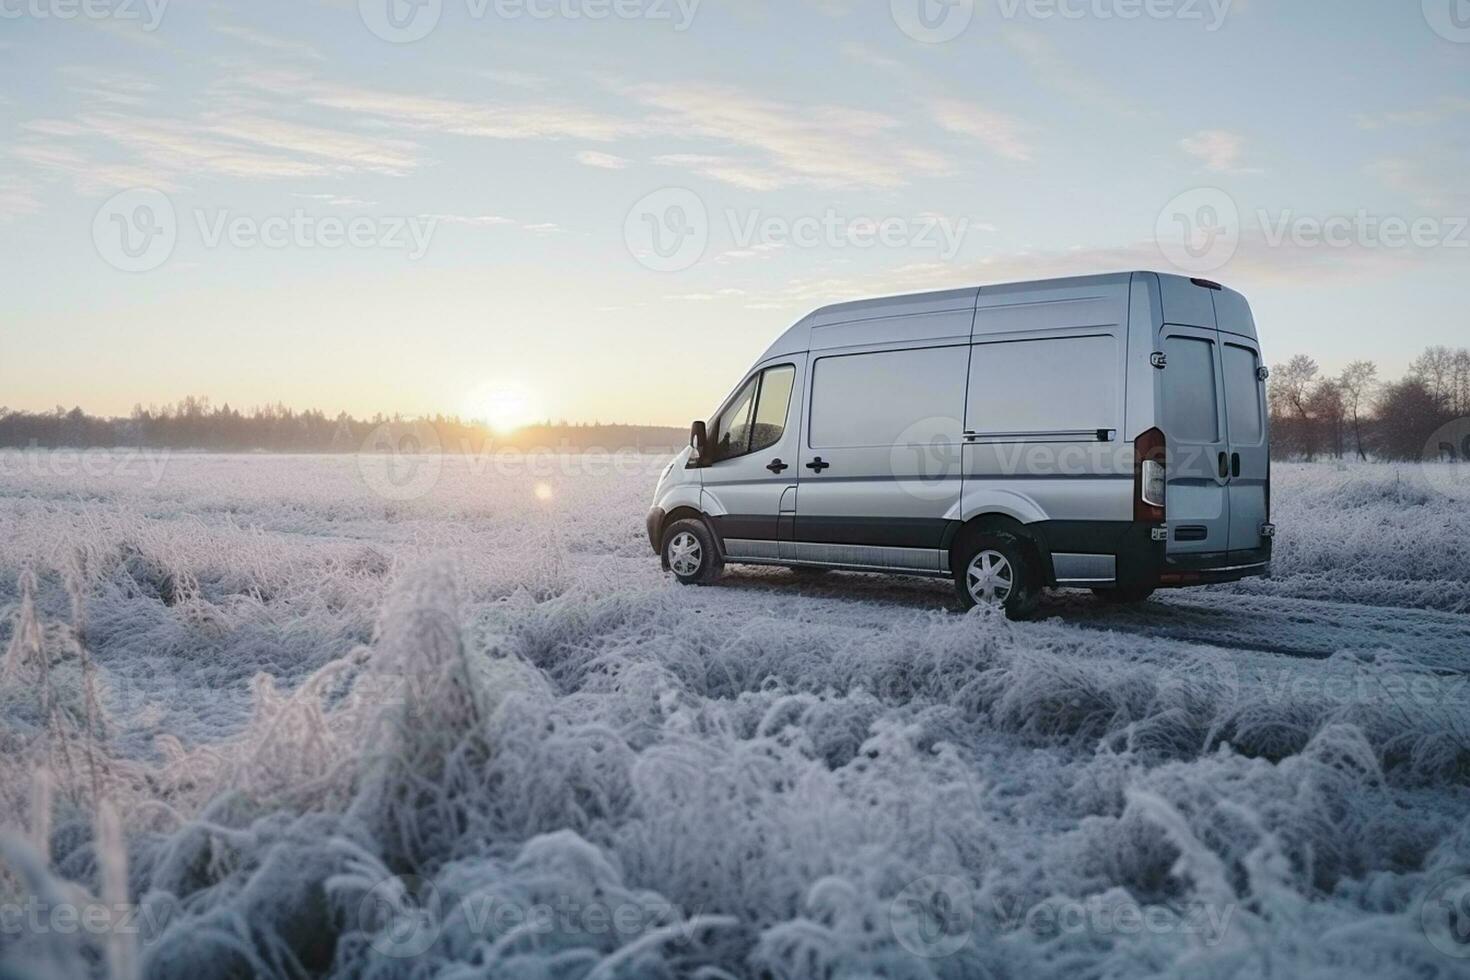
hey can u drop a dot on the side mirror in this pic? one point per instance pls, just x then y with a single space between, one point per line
699 440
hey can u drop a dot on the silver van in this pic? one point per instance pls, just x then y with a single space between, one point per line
1106 432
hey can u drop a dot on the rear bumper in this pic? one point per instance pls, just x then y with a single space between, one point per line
1180 571
655 523
1142 562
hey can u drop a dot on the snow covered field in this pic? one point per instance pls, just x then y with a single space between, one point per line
351 721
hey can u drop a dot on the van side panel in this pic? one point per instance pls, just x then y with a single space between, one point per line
1046 403
879 437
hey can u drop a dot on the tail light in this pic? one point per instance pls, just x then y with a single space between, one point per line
1148 477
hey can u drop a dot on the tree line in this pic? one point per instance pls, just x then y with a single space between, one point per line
1312 414
1355 413
195 424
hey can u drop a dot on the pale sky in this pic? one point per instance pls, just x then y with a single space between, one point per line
475 215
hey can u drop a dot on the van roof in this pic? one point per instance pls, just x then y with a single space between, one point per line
798 338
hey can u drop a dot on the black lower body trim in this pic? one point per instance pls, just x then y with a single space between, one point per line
655 525
879 532
747 527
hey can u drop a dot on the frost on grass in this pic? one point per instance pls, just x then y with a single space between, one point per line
305 743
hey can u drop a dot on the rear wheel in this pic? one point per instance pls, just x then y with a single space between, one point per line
689 552
1124 596
996 569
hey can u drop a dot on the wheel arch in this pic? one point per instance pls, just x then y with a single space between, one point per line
685 512
1001 521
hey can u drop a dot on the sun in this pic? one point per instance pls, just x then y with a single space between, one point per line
504 407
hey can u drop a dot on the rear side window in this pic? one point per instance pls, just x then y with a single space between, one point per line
1243 395
1066 384
888 398
1190 403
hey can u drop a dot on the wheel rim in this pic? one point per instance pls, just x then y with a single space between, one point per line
685 554
990 578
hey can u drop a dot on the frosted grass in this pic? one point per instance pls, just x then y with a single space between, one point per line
479 733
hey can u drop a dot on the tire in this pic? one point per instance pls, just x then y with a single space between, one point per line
1124 596
690 553
1001 565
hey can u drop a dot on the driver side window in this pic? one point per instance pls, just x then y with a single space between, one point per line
732 429
756 419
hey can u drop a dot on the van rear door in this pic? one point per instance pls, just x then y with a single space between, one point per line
1193 420
1245 411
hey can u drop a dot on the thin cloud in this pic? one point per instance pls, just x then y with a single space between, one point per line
1440 111
17 198
815 145
337 200
1219 150
472 220
1056 70
420 113
346 150
737 173
270 42
602 161
996 130
1433 181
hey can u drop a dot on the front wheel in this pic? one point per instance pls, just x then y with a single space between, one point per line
996 569
689 552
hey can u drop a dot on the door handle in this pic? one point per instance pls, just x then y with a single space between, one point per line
1224 467
1235 464
776 466
817 466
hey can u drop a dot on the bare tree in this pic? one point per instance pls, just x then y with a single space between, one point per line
1407 414
1291 389
1435 370
1460 372
1358 381
1329 409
